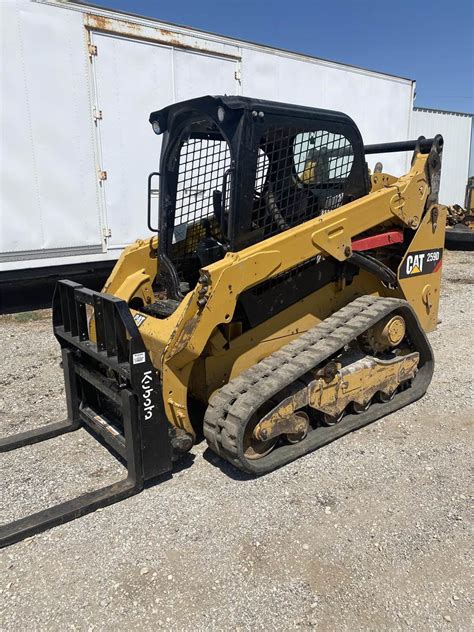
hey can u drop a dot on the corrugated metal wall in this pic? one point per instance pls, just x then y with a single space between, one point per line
456 130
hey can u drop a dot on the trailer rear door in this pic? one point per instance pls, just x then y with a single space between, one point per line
133 78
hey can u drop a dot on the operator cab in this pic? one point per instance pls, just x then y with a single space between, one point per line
235 171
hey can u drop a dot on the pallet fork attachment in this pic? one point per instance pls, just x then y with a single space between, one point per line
114 373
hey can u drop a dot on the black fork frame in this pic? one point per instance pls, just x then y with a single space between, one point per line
141 438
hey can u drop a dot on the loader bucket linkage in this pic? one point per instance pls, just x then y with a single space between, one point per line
112 374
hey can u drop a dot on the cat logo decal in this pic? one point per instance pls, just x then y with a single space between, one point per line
421 262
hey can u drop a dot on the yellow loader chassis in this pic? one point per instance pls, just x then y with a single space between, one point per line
178 342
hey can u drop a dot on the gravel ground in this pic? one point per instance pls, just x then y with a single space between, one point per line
368 533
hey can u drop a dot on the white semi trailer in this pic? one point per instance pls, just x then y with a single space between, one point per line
456 129
78 84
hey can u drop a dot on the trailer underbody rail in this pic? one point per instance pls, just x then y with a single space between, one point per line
112 373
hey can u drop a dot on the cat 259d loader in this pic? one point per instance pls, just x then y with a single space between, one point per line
282 303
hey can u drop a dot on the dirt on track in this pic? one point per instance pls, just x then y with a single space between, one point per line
368 533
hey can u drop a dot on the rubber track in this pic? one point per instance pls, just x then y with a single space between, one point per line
233 405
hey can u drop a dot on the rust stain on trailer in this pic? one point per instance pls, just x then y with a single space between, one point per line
172 38
151 34
101 23
98 22
124 27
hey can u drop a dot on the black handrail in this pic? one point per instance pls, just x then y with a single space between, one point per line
150 227
423 144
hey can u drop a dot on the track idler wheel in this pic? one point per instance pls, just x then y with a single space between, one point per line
256 446
361 408
386 334
383 398
332 420
261 436
296 437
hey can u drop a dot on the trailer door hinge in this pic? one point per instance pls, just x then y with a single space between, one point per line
107 232
237 75
97 114
102 175
92 48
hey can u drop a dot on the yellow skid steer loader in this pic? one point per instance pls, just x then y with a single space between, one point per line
283 301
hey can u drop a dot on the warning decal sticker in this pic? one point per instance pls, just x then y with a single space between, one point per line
138 358
421 262
139 319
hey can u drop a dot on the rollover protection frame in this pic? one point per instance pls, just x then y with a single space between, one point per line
116 366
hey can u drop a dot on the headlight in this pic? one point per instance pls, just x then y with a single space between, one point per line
220 113
156 127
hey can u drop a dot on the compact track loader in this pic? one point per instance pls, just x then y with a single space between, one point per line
282 303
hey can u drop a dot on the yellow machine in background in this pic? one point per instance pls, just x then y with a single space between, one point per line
460 222
283 303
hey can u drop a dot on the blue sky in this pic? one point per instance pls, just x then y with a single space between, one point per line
429 41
